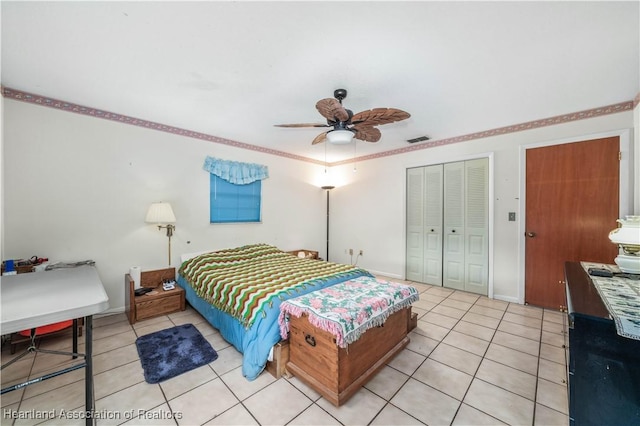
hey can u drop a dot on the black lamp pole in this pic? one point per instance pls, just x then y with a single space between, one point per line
328 188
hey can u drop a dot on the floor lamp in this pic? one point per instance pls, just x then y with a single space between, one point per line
328 188
160 213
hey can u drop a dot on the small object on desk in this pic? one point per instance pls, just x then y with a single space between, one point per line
35 260
142 290
168 285
9 268
59 265
600 272
41 267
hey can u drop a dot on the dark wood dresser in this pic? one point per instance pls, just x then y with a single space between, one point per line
603 367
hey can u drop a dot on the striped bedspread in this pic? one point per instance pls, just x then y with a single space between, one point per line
242 281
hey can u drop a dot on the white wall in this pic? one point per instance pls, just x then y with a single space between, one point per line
635 152
1 175
78 188
368 207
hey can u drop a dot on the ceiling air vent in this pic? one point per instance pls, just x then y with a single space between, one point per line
420 139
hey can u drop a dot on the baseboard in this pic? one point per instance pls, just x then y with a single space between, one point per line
109 312
385 274
510 299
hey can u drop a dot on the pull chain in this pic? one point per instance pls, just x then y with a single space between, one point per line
354 156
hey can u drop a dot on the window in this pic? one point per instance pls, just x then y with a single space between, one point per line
234 190
234 203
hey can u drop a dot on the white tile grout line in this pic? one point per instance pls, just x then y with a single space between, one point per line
458 320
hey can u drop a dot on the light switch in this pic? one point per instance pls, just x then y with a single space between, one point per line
512 216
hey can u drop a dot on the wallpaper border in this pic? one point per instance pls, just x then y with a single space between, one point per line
97 113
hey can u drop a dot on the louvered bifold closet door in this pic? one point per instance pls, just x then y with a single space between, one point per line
433 224
424 224
454 229
448 225
415 224
476 214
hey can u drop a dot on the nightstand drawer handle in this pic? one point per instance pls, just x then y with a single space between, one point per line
310 339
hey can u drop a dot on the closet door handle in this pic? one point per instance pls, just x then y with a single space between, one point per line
530 234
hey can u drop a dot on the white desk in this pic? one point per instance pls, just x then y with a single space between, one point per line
31 300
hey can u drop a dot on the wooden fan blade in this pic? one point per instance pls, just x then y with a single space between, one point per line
320 138
302 125
377 116
367 133
332 110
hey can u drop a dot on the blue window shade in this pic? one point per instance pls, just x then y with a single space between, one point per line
234 203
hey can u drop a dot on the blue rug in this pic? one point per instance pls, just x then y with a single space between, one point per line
171 352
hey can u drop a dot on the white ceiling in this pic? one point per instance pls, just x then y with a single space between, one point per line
234 69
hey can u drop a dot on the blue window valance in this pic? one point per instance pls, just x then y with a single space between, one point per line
235 172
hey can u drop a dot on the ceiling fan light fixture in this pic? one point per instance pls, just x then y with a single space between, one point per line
363 124
340 137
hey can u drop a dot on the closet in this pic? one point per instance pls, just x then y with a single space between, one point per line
448 225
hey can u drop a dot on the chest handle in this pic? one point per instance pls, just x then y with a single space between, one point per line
310 339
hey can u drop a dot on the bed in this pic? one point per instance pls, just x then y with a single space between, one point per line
239 291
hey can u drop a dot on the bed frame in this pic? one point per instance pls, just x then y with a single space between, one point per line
278 367
280 352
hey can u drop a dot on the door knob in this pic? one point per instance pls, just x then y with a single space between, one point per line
530 234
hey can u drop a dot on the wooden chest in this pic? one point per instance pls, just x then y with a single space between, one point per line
337 373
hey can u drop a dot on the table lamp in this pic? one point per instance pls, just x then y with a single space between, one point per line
627 237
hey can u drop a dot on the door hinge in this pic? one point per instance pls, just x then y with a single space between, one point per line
619 155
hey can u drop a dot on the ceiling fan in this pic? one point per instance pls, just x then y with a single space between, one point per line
347 125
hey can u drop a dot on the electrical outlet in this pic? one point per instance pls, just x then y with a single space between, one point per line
361 252
351 252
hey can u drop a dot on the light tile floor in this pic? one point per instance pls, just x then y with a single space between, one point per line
471 361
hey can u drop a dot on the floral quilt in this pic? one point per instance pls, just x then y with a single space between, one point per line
350 308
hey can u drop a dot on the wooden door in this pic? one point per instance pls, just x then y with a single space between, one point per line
572 202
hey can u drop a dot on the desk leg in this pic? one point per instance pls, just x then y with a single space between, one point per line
88 369
75 337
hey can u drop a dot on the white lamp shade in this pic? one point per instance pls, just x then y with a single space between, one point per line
340 137
160 213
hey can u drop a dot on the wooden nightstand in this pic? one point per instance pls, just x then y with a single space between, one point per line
157 302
